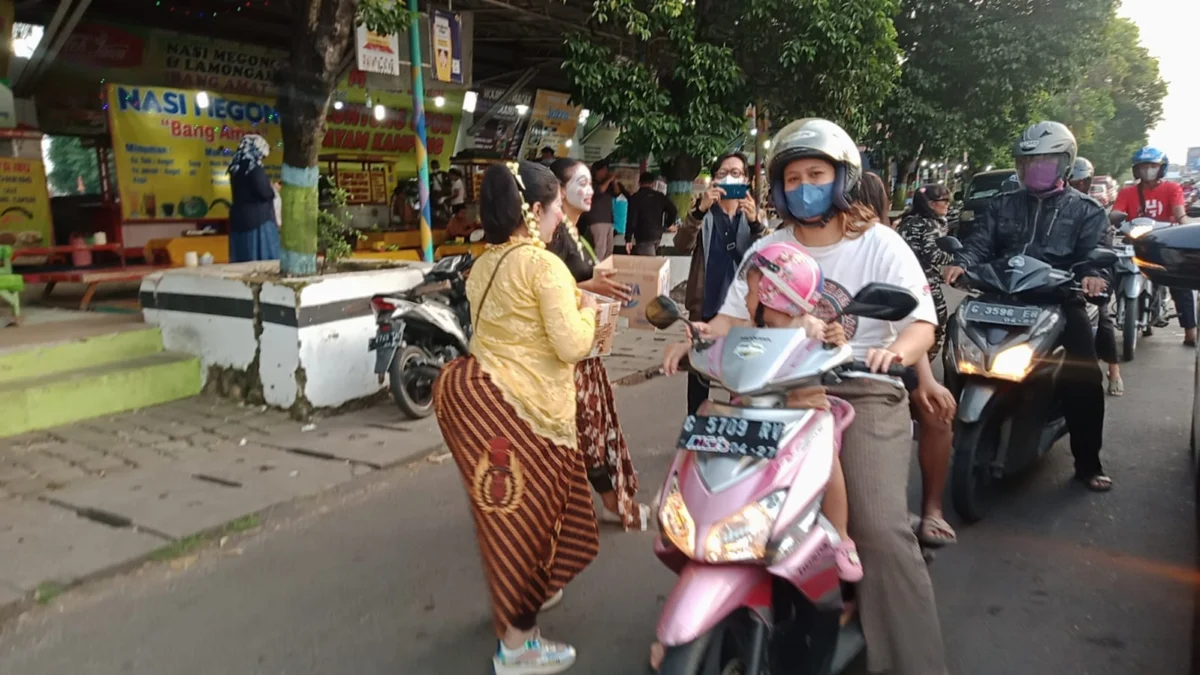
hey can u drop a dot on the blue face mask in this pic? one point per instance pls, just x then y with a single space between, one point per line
807 202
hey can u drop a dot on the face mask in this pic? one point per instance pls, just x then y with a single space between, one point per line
1148 174
808 202
579 190
1041 175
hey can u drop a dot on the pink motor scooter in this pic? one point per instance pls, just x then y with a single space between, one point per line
740 511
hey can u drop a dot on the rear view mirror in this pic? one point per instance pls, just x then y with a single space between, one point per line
958 195
662 312
882 301
949 244
1193 211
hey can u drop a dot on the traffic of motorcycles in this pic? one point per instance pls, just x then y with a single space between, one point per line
739 513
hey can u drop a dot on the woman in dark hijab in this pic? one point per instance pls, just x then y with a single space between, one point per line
253 231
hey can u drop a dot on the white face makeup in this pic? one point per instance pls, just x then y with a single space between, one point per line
579 189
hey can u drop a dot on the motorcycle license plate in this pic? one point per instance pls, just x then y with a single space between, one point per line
731 436
1004 315
387 340
1127 253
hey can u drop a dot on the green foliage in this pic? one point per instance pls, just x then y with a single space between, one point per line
1119 99
384 16
334 234
680 93
975 73
71 160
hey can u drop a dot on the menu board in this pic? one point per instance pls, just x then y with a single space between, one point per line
364 186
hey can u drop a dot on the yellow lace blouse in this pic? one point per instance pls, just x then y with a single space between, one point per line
530 333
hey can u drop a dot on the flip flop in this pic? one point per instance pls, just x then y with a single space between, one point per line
657 653
1097 482
935 532
1116 386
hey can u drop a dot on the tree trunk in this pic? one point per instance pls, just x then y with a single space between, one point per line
679 173
321 37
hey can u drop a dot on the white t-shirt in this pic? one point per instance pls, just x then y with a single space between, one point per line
878 255
458 192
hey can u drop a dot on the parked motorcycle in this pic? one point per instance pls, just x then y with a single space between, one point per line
1002 361
420 330
740 511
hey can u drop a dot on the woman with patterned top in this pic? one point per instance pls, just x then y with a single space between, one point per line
601 440
507 413
932 404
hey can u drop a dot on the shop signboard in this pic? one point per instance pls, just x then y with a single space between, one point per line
172 153
552 122
364 186
377 52
446 37
502 134
25 202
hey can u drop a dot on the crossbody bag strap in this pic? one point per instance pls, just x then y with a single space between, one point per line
488 288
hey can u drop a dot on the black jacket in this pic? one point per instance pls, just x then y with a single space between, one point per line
650 214
253 200
1060 230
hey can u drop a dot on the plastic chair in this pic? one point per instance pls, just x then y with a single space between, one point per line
11 284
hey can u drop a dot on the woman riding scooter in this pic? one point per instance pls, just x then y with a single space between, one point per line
813 169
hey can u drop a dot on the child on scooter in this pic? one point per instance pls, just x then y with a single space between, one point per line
785 286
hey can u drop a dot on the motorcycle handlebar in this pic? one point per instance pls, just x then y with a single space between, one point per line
895 370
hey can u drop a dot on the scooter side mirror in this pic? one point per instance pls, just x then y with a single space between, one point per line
958 195
662 312
1193 211
950 244
884 302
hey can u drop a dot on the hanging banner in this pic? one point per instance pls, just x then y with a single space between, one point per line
353 131
25 202
172 151
376 52
502 134
446 37
552 123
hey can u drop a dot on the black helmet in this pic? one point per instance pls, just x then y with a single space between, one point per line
814 137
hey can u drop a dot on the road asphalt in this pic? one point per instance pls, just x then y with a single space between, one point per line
382 576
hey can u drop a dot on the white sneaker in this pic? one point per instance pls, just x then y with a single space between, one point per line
538 657
553 601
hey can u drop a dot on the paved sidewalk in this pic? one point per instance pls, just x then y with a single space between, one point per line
103 495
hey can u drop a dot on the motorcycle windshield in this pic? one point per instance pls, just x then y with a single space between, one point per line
1018 274
754 360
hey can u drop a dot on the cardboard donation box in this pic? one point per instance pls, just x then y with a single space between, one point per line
606 324
648 277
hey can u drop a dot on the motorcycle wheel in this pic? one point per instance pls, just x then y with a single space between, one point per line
1129 329
971 470
412 393
718 651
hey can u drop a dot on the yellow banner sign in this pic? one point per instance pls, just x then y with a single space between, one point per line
552 124
172 149
24 202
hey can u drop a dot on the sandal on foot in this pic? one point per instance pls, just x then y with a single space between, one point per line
1096 482
658 652
1116 386
935 532
849 566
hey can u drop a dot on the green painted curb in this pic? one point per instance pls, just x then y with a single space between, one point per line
76 355
63 398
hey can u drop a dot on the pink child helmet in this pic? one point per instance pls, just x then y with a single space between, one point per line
791 279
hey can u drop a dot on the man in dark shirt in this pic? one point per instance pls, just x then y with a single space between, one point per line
597 225
650 214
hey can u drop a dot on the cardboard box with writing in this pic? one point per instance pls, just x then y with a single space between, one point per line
648 277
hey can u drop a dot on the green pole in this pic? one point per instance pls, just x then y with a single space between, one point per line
418 87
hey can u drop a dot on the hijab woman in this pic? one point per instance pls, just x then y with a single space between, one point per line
253 230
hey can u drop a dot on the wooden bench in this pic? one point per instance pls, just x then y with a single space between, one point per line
93 279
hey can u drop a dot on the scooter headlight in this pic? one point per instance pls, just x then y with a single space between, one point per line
1013 363
968 356
675 520
1139 230
744 535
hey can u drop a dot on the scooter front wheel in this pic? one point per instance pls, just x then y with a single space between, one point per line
1129 328
971 473
727 649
